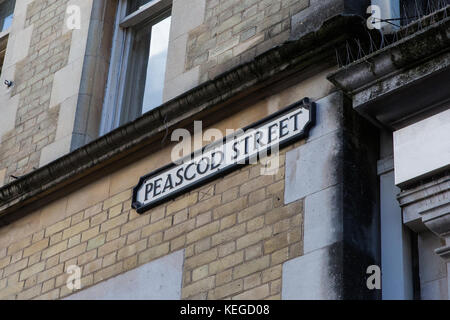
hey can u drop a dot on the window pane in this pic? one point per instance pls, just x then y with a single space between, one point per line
134 5
6 14
156 68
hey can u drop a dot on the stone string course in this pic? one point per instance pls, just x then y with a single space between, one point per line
236 233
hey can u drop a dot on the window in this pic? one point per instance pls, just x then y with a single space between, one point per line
6 14
138 65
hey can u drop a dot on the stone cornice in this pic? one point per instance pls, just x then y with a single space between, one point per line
406 74
310 51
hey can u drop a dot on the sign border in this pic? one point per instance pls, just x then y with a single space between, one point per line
305 102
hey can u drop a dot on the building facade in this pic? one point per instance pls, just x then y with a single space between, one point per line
99 101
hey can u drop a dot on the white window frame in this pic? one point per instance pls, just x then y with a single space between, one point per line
122 41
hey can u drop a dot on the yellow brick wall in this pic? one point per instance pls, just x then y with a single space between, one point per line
236 232
35 125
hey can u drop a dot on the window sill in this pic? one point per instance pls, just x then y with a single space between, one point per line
145 12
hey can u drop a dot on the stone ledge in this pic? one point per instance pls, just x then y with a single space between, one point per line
307 53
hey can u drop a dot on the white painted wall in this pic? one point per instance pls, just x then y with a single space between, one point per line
158 280
422 148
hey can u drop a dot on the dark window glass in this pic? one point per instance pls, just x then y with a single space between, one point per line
134 5
146 67
414 9
6 13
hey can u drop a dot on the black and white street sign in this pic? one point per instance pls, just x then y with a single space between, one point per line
282 128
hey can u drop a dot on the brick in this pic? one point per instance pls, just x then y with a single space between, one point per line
131 249
255 210
55 238
111 246
200 273
157 214
202 232
229 208
30 271
113 234
89 234
275 188
87 257
50 273
200 259
76 229
182 203
280 241
113 223
115 211
74 252
77 218
153 253
135 224
226 290
20 265
224 277
178 243
92 211
48 285
180 216
108 272
30 293
228 235
227 249
284 212
179 229
16 257
230 195
109 260
17 246
253 252
205 206
257 293
92 266
74 241
229 23
57 227
99 218
204 218
255 224
226 262
156 227
257 196
198 287
255 184
4 262
253 238
272 273
280 256
228 221
115 200
251 267
53 250
203 245
96 242
231 181
252 281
